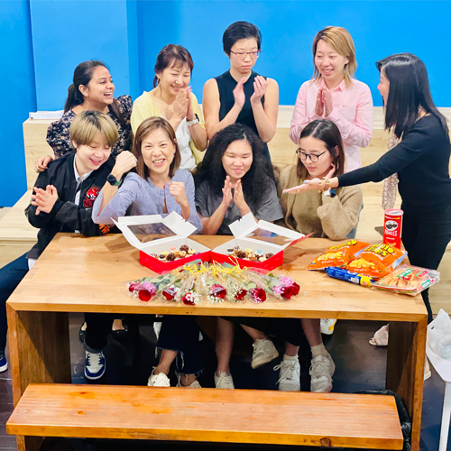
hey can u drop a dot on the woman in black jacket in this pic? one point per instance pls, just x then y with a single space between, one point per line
420 160
63 198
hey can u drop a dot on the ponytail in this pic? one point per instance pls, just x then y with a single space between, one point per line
74 98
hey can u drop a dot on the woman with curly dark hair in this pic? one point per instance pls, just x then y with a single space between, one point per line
236 179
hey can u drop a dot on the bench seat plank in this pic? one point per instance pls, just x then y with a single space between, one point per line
209 415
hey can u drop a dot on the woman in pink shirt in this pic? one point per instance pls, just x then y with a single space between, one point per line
332 94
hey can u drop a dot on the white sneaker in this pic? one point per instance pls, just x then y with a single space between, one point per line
195 384
224 380
327 326
95 365
427 370
289 375
158 380
264 352
321 371
157 328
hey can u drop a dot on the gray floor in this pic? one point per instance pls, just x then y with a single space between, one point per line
359 367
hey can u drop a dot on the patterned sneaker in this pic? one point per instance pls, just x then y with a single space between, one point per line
327 326
158 380
321 371
3 362
289 375
95 365
194 384
264 352
224 380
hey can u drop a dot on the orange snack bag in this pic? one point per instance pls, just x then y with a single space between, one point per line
376 260
338 255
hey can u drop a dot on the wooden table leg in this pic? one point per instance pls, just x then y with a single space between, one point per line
405 369
39 352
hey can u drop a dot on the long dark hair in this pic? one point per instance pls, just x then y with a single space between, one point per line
409 90
327 132
172 54
82 76
256 181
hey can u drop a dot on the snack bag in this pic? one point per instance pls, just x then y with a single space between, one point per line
376 260
338 255
407 279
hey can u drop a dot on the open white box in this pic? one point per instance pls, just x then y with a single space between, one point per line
261 235
153 234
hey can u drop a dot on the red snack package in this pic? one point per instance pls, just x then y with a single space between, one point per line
376 260
338 255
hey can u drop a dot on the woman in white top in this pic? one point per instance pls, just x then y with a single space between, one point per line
172 99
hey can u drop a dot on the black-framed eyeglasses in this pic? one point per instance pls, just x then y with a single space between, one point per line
242 55
313 157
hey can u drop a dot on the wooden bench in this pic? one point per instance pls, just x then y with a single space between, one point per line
208 415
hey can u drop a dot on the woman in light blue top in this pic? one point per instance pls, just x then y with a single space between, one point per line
157 187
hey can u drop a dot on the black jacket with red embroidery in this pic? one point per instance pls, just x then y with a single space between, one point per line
66 216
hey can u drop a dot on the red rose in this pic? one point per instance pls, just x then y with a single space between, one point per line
258 294
240 295
144 295
188 299
169 293
295 288
218 291
286 292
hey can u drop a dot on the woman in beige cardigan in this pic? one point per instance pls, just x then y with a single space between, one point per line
331 214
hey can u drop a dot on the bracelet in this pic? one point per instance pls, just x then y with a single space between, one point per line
325 185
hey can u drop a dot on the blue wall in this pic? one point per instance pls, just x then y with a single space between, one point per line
17 91
379 28
44 40
65 33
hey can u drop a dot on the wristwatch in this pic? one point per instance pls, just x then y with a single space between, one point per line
194 121
112 180
330 192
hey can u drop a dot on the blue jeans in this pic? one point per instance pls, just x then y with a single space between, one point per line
10 276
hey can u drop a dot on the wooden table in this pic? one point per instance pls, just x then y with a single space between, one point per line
76 274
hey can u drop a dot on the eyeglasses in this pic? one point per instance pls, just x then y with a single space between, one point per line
313 157
242 55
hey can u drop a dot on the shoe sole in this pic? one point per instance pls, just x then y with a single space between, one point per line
328 331
94 378
260 362
3 368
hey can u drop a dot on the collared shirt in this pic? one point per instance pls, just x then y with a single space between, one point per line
352 114
137 196
79 180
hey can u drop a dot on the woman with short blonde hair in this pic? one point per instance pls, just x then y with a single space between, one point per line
334 94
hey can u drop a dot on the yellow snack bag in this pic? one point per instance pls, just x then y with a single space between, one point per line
338 255
376 260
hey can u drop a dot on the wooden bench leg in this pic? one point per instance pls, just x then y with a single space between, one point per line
405 369
40 352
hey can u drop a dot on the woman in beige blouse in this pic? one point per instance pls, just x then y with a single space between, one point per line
331 214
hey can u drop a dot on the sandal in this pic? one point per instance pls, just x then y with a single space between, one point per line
380 338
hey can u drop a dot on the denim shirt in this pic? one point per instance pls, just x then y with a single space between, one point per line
137 196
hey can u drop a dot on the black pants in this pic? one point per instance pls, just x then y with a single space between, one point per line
425 238
10 276
178 333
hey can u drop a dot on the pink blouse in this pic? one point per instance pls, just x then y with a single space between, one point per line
352 114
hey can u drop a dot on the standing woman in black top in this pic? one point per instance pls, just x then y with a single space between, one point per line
421 161
240 95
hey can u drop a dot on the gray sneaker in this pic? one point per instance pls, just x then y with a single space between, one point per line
264 352
321 371
289 375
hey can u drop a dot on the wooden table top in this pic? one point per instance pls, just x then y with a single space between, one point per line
77 274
